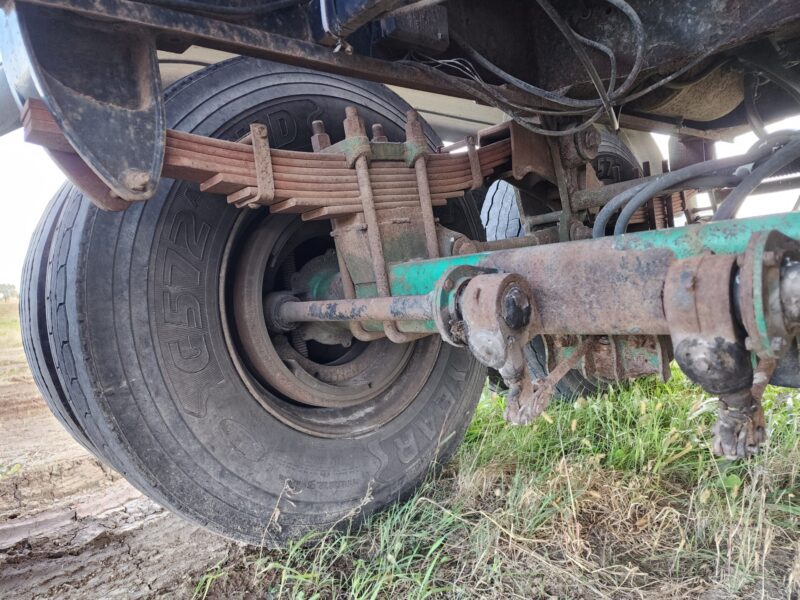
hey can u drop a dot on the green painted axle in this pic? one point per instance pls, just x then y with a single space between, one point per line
723 237
611 285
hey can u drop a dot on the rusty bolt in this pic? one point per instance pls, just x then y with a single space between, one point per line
378 134
259 130
516 308
318 127
447 285
136 180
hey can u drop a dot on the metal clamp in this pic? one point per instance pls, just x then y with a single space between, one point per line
264 176
415 138
474 163
264 193
354 129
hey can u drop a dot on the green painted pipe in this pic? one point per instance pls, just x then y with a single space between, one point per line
611 285
723 237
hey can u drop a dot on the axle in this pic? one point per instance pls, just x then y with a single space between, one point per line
610 286
725 295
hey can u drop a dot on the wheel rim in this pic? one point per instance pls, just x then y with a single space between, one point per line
349 394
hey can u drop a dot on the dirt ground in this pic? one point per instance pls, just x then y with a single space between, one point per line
71 527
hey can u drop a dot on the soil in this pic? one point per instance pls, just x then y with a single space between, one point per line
72 527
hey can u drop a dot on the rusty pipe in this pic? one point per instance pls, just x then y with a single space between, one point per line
397 308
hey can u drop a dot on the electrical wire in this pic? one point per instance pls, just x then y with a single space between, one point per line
489 97
587 63
731 205
751 107
224 10
591 108
612 60
183 61
561 99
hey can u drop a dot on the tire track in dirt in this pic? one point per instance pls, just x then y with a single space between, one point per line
71 527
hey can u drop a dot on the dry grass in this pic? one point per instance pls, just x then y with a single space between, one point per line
615 496
12 360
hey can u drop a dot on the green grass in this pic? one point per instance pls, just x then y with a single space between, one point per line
613 496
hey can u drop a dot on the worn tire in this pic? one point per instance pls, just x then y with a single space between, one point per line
136 315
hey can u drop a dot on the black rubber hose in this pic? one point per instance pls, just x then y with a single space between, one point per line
617 202
637 193
731 205
681 175
701 182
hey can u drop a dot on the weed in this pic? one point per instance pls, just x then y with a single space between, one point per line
611 496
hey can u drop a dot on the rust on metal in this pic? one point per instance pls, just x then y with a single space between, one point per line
530 153
320 181
354 128
474 163
741 428
529 400
390 308
264 176
709 347
416 136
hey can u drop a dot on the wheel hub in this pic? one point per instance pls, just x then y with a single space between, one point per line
320 367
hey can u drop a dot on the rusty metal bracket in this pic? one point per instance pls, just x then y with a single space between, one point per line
530 152
264 175
528 399
415 139
263 194
354 129
474 163
700 311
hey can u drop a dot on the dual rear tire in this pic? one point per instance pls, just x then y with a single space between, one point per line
129 329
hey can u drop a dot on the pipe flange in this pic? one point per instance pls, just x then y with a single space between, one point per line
445 302
760 303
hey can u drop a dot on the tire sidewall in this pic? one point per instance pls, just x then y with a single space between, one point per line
163 390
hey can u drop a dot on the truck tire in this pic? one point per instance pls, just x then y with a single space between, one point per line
148 349
33 317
